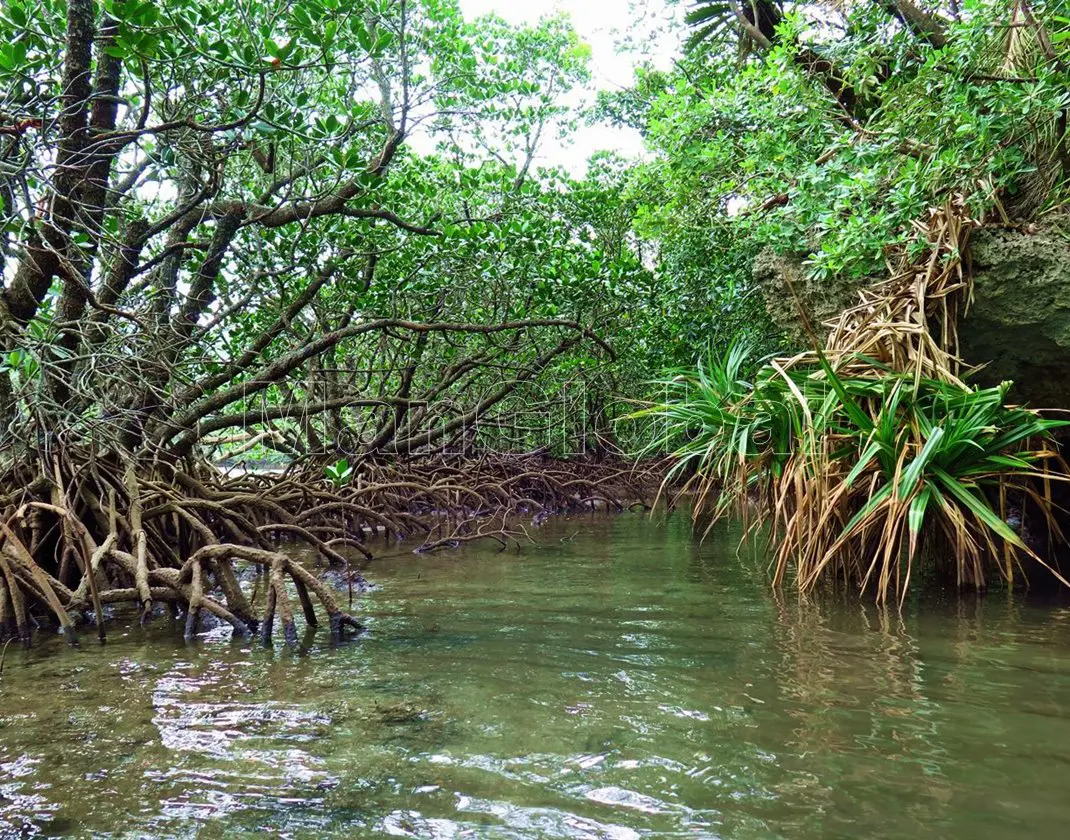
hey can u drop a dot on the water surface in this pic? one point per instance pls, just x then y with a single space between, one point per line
619 681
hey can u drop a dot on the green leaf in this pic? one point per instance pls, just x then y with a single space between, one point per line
864 460
912 474
918 506
980 509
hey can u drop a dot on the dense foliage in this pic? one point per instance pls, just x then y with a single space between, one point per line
246 222
321 223
866 137
827 130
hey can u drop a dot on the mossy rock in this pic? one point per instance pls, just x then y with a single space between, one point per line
1018 327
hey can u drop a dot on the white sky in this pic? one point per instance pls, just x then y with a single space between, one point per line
601 24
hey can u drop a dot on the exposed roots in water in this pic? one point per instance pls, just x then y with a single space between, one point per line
86 533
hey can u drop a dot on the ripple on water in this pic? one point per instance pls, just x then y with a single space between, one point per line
237 754
22 803
628 683
622 798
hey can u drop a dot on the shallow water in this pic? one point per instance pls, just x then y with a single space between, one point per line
619 681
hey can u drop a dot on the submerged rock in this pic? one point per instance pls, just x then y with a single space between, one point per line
400 713
336 579
1018 326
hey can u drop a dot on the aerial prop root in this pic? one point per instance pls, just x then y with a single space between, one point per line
82 533
147 544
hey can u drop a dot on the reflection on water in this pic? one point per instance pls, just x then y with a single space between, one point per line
618 682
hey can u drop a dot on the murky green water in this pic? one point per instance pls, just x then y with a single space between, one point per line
617 682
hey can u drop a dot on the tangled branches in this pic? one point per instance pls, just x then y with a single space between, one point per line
186 264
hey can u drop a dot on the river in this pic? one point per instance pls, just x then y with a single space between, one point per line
616 681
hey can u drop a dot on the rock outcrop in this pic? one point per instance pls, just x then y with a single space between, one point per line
778 274
1018 326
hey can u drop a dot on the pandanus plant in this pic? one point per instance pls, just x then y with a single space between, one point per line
868 454
856 477
713 20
